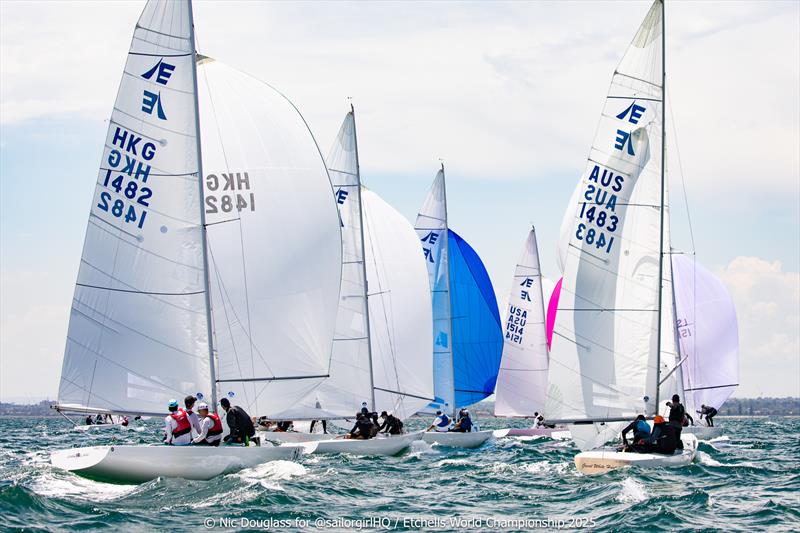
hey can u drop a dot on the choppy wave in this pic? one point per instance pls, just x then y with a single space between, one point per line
747 479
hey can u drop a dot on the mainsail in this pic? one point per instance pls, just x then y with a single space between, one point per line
141 327
522 381
380 353
605 353
707 333
138 325
467 336
273 238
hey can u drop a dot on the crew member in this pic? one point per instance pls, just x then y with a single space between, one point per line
391 424
210 433
189 402
363 427
240 424
676 415
709 412
441 423
464 423
641 431
662 439
177 428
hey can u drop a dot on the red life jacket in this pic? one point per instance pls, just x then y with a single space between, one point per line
184 425
216 429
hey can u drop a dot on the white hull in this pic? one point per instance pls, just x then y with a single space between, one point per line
537 432
607 459
99 427
702 432
294 436
138 464
382 445
456 439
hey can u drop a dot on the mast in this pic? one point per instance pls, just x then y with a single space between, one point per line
363 262
206 284
449 303
679 357
663 185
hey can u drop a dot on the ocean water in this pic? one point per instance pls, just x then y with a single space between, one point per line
748 479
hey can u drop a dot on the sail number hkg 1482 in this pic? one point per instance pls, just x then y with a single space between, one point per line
237 183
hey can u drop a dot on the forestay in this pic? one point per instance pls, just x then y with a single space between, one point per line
522 380
138 332
604 354
274 242
708 334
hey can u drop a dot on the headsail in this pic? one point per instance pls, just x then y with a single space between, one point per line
604 354
467 337
399 310
350 381
138 330
708 335
431 227
274 241
522 381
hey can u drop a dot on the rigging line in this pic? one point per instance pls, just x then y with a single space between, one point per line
400 393
163 301
149 293
129 328
223 221
241 235
389 327
227 318
680 169
273 378
713 387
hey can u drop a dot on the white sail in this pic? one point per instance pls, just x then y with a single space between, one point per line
603 360
431 227
350 381
522 381
399 310
138 330
708 333
273 238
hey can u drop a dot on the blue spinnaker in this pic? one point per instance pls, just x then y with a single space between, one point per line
477 333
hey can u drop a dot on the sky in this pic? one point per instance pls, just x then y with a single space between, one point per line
507 94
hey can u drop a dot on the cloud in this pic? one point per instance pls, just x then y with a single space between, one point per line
767 300
500 91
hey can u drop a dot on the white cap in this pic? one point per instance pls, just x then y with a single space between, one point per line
202 406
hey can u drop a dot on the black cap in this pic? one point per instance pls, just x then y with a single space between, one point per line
189 400
676 398
225 403
384 413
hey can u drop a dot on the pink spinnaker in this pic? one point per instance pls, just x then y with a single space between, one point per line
552 308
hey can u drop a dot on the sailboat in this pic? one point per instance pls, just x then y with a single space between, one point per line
467 336
209 266
708 341
381 349
614 320
522 379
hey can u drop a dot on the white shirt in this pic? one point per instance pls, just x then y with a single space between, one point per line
439 424
169 425
194 420
205 426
